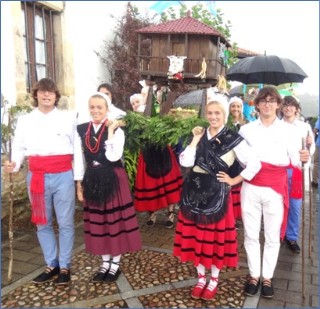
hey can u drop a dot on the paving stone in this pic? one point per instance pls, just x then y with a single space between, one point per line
270 303
20 255
22 268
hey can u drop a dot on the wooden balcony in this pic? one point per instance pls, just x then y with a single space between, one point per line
156 69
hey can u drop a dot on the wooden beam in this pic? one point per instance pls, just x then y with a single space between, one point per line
166 106
147 111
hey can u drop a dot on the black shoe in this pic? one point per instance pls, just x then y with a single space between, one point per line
293 245
152 219
63 277
112 277
48 275
100 275
267 289
252 286
314 184
169 224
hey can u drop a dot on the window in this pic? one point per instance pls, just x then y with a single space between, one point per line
38 42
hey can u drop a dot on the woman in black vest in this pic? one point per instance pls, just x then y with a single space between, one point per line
110 223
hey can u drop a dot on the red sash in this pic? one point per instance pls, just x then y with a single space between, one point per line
274 177
296 183
40 165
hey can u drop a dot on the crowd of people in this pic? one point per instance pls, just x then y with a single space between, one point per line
237 170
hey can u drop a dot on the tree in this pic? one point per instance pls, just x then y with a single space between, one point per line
121 56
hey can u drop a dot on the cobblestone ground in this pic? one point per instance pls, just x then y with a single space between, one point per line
152 277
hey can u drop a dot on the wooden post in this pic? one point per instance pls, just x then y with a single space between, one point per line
166 106
147 111
203 103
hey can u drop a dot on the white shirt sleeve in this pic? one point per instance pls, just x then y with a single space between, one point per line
115 146
78 158
187 157
249 159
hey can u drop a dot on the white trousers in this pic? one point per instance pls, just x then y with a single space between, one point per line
255 202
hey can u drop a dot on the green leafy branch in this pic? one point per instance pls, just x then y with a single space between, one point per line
159 130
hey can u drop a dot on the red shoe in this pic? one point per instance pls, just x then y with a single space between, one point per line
210 291
199 288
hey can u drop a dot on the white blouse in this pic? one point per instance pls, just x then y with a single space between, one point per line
242 152
114 151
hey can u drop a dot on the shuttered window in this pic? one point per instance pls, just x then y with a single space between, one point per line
38 42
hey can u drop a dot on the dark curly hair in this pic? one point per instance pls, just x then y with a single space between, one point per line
45 84
268 91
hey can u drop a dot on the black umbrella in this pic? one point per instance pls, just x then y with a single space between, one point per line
191 98
271 70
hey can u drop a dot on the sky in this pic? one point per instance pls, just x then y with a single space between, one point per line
288 29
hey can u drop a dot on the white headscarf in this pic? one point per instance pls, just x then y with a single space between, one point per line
236 99
222 99
114 112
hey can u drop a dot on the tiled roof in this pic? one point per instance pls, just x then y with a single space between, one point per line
183 25
242 53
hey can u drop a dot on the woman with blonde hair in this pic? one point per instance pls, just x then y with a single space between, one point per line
205 232
110 223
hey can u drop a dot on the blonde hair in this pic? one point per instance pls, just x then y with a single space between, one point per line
233 100
222 107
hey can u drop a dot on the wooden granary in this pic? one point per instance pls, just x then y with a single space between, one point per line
199 48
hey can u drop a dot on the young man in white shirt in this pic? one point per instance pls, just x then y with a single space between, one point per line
46 137
267 193
290 110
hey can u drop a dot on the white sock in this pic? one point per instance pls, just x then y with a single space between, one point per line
215 274
106 261
115 264
201 271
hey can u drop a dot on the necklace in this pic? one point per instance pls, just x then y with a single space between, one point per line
94 149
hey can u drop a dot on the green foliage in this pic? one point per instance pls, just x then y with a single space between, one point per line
131 162
199 12
162 130
7 130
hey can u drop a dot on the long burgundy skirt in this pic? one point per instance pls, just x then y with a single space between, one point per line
152 194
112 229
212 244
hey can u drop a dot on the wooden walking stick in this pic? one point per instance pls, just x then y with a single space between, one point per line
10 231
310 202
302 236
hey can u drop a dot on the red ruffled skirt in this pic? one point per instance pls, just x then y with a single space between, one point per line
212 244
152 194
236 201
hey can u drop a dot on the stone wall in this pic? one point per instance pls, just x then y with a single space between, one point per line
20 194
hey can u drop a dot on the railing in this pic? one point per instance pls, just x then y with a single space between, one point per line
159 66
